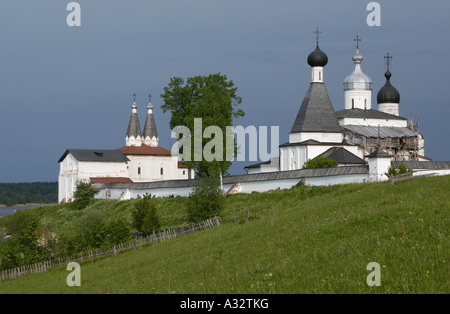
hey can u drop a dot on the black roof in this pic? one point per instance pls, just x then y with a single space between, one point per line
379 153
103 155
134 128
432 165
342 156
316 113
388 93
317 58
150 127
366 114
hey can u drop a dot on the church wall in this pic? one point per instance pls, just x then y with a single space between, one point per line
68 175
342 179
317 136
292 157
88 169
245 187
358 99
150 168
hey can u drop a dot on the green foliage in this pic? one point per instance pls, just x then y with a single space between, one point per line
212 98
306 240
24 247
320 162
394 170
118 232
145 217
205 201
23 193
83 195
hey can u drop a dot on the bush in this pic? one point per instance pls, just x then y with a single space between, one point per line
83 195
320 162
205 201
24 246
118 232
145 217
401 169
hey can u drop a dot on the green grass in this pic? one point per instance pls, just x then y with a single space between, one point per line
301 240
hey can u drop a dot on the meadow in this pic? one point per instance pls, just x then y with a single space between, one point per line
300 240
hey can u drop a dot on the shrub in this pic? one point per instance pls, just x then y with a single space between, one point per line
320 162
401 169
145 217
205 201
118 232
83 195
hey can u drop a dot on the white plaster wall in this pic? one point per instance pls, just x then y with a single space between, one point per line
151 168
342 179
317 136
390 108
362 99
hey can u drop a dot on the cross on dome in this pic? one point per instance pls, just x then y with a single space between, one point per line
357 39
317 32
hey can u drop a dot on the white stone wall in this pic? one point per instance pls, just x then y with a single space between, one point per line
71 171
317 136
145 168
358 99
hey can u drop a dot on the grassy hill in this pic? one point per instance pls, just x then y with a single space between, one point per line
301 240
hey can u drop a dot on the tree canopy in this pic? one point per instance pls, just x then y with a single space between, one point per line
214 99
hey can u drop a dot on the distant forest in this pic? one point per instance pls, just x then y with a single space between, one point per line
23 193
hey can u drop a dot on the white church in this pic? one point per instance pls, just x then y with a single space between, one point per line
364 141
141 160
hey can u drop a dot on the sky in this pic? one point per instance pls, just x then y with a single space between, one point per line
71 87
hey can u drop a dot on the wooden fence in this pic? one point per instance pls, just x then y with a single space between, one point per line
156 237
408 176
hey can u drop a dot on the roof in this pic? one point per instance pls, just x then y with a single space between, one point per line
366 114
150 127
258 165
110 179
317 58
314 142
262 176
134 128
433 165
388 93
316 113
384 131
275 161
342 156
379 153
182 165
100 155
145 150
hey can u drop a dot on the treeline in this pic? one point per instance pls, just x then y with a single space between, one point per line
23 193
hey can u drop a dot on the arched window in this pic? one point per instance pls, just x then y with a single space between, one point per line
320 76
162 171
353 103
139 170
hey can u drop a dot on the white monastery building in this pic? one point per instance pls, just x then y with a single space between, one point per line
364 141
141 160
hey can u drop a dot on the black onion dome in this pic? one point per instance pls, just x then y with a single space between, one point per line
317 58
388 93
